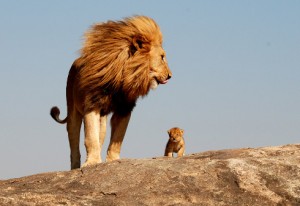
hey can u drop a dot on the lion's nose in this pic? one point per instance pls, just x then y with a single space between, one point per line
169 76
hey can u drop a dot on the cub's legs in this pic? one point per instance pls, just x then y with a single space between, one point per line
169 150
118 129
180 152
73 128
92 138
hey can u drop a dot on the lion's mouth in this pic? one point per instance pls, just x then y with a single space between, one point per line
161 82
155 82
164 82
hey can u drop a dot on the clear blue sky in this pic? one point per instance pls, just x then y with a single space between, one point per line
236 77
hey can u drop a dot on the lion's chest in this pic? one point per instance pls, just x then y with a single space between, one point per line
116 103
121 105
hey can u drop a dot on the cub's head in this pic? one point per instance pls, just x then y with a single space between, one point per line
175 134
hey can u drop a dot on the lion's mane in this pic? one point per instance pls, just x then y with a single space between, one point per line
110 61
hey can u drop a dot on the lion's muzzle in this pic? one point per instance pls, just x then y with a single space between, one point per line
166 81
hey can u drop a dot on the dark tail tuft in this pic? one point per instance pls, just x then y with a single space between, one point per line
54 112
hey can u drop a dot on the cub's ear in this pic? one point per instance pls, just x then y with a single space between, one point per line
169 131
182 131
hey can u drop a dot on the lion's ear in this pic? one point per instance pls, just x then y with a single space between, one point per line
139 42
182 131
169 131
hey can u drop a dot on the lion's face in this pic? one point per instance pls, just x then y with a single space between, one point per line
159 69
175 134
125 56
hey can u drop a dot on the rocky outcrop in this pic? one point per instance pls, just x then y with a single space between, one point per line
262 176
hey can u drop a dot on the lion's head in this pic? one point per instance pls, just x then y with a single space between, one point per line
124 56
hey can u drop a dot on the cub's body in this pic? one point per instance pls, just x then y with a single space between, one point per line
176 143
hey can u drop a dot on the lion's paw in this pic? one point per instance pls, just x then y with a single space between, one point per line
91 163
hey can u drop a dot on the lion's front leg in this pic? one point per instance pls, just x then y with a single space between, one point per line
103 120
92 135
118 129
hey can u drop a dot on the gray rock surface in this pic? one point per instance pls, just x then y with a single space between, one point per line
262 176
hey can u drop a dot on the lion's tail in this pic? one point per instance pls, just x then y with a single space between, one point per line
54 112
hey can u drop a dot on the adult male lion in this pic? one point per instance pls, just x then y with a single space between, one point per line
119 62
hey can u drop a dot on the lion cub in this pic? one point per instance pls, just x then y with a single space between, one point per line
176 142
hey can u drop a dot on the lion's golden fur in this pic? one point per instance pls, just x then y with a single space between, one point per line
119 62
109 60
175 143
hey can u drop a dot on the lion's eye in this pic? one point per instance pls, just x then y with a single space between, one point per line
163 57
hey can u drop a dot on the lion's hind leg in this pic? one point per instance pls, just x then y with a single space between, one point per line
73 126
